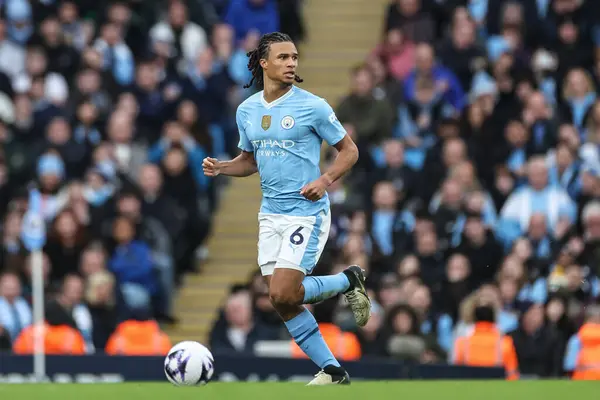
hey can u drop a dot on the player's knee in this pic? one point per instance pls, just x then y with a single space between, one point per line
284 297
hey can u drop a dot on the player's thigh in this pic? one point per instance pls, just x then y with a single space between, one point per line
269 243
303 241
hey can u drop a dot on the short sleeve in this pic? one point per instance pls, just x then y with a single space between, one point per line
244 143
326 124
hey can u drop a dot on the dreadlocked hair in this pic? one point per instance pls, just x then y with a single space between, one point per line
262 51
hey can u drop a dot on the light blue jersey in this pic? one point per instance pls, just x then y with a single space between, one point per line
285 137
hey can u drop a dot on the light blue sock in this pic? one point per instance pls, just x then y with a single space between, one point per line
319 288
305 331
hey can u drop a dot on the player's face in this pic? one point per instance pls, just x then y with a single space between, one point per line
281 63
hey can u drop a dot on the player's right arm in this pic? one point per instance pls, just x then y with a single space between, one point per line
242 165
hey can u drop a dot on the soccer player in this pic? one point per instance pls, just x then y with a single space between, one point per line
281 129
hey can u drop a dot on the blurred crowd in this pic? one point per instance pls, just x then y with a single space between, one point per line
107 109
476 199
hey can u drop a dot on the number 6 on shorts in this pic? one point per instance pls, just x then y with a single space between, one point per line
297 237
296 240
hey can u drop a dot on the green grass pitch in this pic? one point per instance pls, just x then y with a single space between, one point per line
401 390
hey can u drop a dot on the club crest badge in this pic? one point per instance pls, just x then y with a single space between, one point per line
287 122
266 122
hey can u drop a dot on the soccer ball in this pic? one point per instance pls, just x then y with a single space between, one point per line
188 364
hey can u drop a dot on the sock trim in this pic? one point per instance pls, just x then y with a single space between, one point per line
305 338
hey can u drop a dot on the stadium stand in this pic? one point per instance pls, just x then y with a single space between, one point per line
478 182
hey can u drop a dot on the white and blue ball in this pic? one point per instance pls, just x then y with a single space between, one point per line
189 364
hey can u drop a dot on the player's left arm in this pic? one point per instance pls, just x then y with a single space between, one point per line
331 130
347 156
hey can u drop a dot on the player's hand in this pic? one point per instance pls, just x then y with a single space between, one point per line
315 190
211 166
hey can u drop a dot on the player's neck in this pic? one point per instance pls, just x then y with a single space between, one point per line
274 90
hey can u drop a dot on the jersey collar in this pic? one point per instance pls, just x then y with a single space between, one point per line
275 102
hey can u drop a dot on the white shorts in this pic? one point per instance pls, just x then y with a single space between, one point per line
291 242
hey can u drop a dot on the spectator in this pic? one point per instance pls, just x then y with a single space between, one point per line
240 331
538 196
543 247
539 119
132 264
26 276
12 248
75 31
247 15
404 340
138 336
556 317
128 155
395 170
397 53
150 99
117 56
565 171
486 294
59 339
450 153
460 52
15 312
158 203
371 118
239 60
207 86
456 286
19 21
410 16
386 86
591 235
441 80
11 66
51 172
578 98
448 216
151 232
534 343
103 304
589 150
223 42
481 248
590 178
66 241
481 347
383 217
581 358
63 59
187 38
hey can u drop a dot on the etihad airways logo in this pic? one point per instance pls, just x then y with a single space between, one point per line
272 144
272 148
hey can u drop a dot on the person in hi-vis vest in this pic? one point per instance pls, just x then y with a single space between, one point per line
61 336
140 335
582 357
486 346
